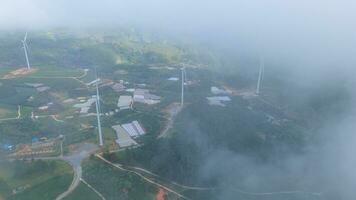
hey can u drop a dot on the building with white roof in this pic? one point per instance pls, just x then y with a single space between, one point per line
84 107
173 79
123 138
218 100
130 129
138 128
118 87
144 96
216 90
124 102
134 129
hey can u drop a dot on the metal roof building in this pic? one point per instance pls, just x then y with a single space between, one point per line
124 102
130 129
123 138
138 127
134 129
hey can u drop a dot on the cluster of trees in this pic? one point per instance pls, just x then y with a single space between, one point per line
114 183
201 129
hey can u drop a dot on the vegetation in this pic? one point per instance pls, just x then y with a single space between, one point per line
36 179
243 127
115 184
82 192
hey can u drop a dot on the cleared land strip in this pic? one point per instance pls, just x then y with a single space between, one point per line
59 77
143 177
92 188
77 78
171 182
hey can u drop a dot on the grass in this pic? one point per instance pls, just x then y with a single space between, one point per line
46 190
7 111
5 70
34 179
52 71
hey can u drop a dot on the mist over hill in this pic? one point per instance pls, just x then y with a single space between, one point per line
309 86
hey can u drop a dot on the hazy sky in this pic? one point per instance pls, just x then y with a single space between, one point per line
309 30
314 14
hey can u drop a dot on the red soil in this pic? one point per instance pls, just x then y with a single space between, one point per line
20 71
160 194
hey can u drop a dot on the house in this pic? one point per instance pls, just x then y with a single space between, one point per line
173 79
218 100
216 91
139 95
118 87
124 102
85 106
144 96
43 108
130 129
134 129
123 138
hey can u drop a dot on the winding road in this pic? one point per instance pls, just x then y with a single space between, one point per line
143 177
82 152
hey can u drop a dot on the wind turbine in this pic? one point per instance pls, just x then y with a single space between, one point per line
260 75
97 103
182 92
24 44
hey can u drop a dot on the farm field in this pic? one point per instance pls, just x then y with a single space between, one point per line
8 111
32 180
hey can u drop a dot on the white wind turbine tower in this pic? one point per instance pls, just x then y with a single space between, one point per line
97 103
24 44
260 75
183 80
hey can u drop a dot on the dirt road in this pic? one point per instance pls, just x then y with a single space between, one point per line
143 177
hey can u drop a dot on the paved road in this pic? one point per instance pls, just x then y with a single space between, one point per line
75 159
83 151
74 184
